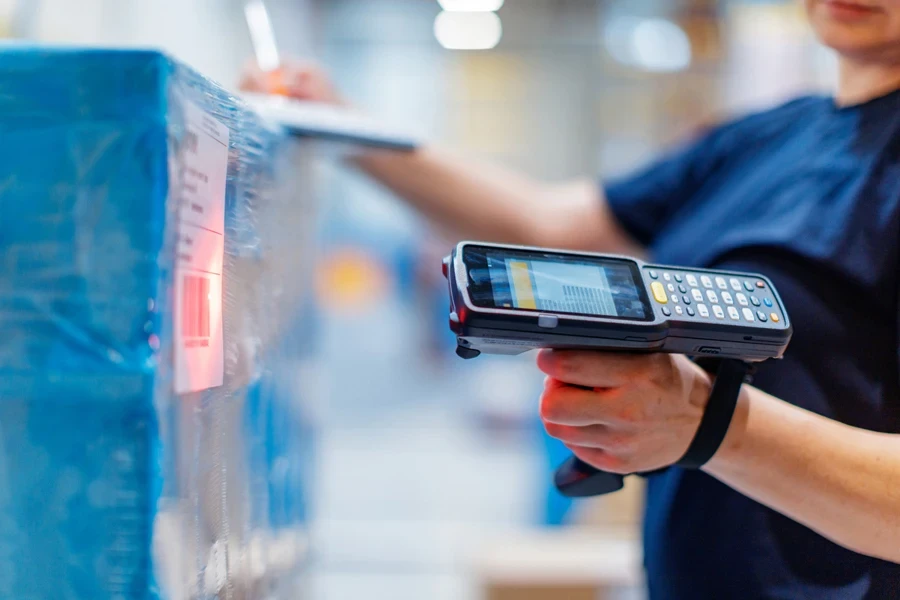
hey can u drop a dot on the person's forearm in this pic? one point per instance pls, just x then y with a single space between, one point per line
478 201
840 481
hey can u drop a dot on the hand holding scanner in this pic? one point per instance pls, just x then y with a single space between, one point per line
512 299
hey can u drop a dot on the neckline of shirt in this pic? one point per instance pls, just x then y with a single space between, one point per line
887 98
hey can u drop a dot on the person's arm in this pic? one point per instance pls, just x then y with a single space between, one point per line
471 199
840 481
486 202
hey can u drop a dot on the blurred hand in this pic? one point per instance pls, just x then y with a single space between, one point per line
640 413
295 79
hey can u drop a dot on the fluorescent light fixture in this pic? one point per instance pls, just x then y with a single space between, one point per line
261 35
471 5
468 30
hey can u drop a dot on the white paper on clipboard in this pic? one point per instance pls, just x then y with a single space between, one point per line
321 120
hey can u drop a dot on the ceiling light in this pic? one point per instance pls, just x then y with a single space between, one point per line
468 30
471 5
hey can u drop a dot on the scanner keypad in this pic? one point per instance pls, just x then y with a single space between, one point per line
708 297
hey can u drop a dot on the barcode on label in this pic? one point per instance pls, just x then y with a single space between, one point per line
195 311
190 141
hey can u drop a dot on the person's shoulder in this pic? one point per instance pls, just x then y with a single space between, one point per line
767 125
790 113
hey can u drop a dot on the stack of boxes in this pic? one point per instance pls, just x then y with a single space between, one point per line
154 258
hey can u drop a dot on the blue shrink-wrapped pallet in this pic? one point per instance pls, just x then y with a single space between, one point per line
153 253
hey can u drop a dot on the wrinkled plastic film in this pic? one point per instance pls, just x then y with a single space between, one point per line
112 484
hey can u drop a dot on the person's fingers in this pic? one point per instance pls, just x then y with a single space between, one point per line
567 405
301 89
600 459
308 81
589 436
551 383
297 79
251 81
595 369
252 77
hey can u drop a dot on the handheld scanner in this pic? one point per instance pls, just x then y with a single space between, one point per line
512 299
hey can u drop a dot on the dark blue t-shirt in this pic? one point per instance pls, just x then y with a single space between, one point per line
808 194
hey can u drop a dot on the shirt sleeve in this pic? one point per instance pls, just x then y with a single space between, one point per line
645 201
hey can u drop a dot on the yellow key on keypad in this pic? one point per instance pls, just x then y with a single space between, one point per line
659 292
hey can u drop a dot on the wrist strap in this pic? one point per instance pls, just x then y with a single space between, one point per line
730 376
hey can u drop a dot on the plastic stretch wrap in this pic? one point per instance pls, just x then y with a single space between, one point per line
123 474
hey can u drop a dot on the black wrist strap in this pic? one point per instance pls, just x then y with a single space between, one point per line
730 376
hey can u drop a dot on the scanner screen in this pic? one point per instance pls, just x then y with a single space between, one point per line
559 283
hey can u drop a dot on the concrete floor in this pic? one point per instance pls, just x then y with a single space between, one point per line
415 467
407 477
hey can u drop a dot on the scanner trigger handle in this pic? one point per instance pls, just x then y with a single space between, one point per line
577 479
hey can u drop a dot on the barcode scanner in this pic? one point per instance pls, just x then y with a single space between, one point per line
513 299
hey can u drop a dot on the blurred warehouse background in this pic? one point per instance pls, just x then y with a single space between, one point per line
434 478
